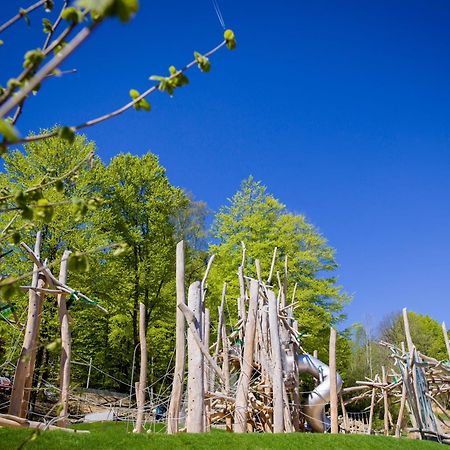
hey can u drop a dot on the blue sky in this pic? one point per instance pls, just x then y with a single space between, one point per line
341 108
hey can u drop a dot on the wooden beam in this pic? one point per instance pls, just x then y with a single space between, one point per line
333 383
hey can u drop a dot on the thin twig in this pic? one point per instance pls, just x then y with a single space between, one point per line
22 12
120 110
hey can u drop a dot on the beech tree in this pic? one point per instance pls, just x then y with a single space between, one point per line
257 219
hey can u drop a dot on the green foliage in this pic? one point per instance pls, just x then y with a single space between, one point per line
124 10
33 58
262 223
169 84
8 132
203 62
230 39
426 333
67 133
142 103
72 15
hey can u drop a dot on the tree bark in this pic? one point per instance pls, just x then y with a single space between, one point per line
241 406
194 420
180 352
64 372
333 383
143 372
278 404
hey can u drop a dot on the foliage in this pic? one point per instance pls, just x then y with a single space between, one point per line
262 223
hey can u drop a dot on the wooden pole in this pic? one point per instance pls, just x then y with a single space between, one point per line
385 402
447 344
180 351
398 427
25 364
241 406
409 341
278 404
143 372
333 383
372 408
194 420
64 372
206 370
226 371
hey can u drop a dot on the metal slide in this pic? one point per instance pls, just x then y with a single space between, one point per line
314 408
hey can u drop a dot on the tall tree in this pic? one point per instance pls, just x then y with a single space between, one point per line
261 222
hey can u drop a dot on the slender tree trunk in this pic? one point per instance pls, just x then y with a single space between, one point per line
64 373
194 421
143 372
278 404
333 383
25 365
180 355
241 408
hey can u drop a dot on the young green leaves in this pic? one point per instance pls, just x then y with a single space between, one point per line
169 84
124 10
230 39
142 103
202 62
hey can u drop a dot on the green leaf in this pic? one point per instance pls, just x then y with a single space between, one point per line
72 15
79 208
203 62
49 5
67 133
44 211
7 291
33 58
1 42
54 345
15 237
23 13
230 39
27 213
123 9
47 25
145 105
8 131
134 94
59 186
78 262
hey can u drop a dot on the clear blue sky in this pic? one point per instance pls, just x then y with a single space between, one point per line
341 108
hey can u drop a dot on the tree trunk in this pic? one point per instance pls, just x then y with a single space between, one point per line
180 355
241 408
194 421
143 372
64 373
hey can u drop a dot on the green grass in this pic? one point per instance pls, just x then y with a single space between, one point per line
109 435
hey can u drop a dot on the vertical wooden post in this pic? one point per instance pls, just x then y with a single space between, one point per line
447 344
344 415
241 408
278 404
333 383
180 352
385 402
398 428
226 370
64 372
140 395
296 390
25 365
372 407
194 420
206 370
409 341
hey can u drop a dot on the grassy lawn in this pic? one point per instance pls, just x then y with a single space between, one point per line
113 435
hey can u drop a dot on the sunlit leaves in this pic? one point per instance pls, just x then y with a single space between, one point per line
168 84
47 25
124 10
67 133
72 15
33 58
203 62
230 39
78 262
142 103
8 132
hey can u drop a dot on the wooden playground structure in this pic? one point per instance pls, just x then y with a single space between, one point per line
249 378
